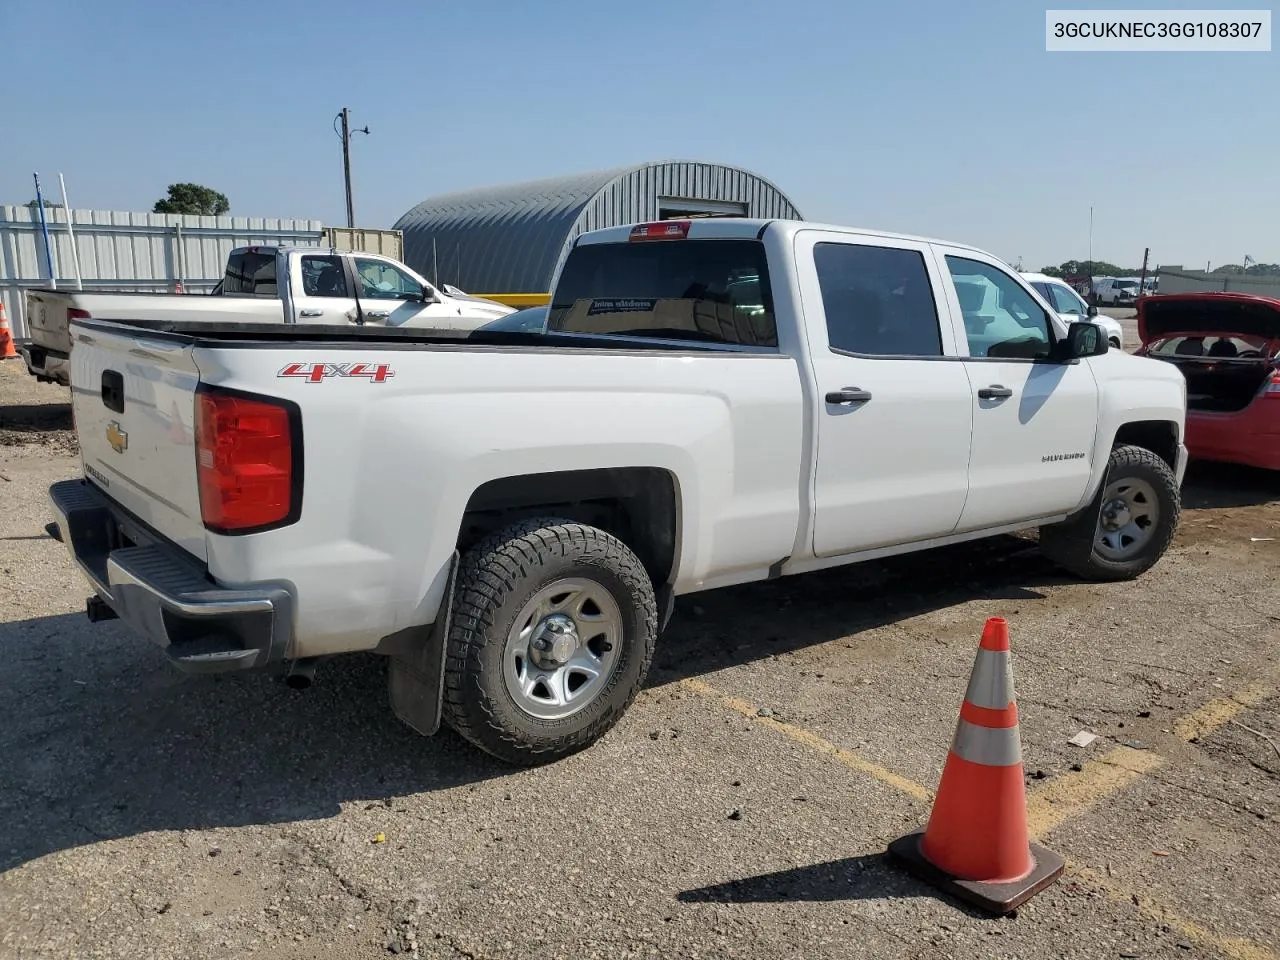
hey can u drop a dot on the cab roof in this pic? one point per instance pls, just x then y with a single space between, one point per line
723 228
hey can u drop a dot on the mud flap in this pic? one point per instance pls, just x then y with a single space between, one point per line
415 680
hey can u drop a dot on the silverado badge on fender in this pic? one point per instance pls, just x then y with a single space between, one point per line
118 439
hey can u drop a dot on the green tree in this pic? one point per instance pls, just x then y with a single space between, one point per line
191 198
1052 272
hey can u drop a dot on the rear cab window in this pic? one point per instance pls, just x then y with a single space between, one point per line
712 291
250 274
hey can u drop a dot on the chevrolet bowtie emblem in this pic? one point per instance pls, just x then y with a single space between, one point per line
118 439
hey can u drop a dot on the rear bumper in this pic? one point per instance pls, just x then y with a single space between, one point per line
43 362
154 588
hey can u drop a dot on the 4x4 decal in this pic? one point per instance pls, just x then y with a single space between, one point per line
319 372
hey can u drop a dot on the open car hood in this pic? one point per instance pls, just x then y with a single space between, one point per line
1243 314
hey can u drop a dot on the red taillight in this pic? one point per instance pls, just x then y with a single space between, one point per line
1273 386
247 458
665 230
75 313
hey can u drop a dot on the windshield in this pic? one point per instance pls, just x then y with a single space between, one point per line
713 291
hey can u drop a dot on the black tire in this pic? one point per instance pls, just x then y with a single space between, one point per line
498 576
1073 544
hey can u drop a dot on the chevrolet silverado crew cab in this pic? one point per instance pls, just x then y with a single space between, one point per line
269 284
508 515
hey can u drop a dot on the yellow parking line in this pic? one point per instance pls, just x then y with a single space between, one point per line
1214 714
815 742
1237 948
1061 799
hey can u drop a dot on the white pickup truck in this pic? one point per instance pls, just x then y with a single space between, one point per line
509 515
320 285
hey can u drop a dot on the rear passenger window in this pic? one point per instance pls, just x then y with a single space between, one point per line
324 277
878 301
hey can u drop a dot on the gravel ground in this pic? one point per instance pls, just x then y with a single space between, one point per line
148 814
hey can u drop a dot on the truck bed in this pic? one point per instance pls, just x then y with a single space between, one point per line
231 333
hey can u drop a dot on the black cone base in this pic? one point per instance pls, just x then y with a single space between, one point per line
992 897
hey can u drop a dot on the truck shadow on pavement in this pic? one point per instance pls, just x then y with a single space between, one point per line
100 738
1210 486
35 416
721 628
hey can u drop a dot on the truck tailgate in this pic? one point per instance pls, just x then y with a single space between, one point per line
134 401
46 313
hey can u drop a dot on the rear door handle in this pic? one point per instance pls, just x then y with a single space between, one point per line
310 313
849 395
994 392
378 314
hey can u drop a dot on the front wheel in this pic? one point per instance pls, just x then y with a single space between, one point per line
554 628
1127 527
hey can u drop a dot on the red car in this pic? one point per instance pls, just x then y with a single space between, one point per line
1227 345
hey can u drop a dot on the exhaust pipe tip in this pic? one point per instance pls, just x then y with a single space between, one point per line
301 673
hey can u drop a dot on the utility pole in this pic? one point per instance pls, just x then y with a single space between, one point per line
345 136
1142 284
1092 299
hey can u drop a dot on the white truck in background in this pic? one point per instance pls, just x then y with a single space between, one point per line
269 284
509 515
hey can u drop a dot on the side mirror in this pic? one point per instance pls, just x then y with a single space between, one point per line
429 295
1093 310
1084 339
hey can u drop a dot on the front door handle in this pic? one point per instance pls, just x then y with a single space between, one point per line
378 314
849 395
994 392
310 313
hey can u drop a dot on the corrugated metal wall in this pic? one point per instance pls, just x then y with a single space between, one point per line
513 238
1177 280
124 250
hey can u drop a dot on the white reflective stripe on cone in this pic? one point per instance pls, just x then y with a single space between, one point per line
990 746
991 682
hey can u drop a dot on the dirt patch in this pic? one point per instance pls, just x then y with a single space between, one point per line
34 414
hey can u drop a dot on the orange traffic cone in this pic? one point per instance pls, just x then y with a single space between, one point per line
976 844
6 338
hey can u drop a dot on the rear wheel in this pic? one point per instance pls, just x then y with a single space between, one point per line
1127 527
553 631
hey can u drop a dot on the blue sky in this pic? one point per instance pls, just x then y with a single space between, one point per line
948 119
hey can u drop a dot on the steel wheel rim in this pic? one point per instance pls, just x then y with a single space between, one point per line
582 624
1128 518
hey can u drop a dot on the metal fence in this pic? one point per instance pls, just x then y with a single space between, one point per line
1175 279
123 250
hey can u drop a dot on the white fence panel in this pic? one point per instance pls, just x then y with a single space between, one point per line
126 250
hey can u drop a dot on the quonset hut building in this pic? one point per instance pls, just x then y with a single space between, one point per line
512 239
